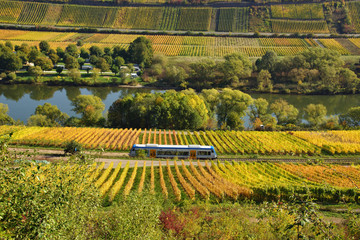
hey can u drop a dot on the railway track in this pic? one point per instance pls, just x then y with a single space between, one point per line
295 160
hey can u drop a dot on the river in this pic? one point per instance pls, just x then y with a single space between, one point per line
22 99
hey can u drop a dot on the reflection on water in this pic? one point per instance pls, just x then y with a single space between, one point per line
23 99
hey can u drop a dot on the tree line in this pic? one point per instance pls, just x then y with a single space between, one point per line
74 57
316 70
223 109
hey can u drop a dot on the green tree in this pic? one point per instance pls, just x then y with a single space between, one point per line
39 120
75 75
4 117
33 55
9 62
267 62
44 47
232 108
264 81
72 50
285 113
258 109
90 107
102 65
236 66
44 62
352 117
315 114
71 62
96 51
141 52
52 112
36 72
202 74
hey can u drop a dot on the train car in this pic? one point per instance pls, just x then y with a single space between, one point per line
171 151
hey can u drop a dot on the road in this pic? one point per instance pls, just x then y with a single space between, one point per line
142 31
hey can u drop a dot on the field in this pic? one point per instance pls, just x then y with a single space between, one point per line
176 45
298 11
179 181
354 12
289 26
233 20
289 18
151 18
225 142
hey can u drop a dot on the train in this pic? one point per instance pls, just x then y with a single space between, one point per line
171 151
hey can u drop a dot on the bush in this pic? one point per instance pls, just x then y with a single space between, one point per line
73 147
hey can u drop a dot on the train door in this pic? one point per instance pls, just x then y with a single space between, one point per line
152 153
192 154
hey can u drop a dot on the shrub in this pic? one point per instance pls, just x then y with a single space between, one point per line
73 147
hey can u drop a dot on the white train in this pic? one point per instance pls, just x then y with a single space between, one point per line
171 151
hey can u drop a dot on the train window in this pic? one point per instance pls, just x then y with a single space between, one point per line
183 153
204 153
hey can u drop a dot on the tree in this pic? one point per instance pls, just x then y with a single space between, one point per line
54 58
315 114
141 52
36 72
102 65
33 54
72 50
267 62
258 109
232 108
202 74
235 67
96 51
75 75
71 62
4 117
352 117
52 112
39 120
171 110
285 113
9 62
90 107
59 70
264 81
44 47
84 53
44 62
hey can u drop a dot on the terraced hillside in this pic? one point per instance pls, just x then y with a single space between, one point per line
289 18
183 45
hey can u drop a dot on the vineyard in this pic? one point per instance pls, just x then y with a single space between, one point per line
152 18
287 18
354 12
289 26
177 45
180 180
298 11
225 142
233 20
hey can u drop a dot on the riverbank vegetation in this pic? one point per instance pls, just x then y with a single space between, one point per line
313 71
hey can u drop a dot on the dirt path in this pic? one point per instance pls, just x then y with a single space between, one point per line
61 152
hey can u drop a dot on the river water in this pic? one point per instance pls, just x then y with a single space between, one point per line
23 99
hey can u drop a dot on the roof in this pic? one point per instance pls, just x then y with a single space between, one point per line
171 146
